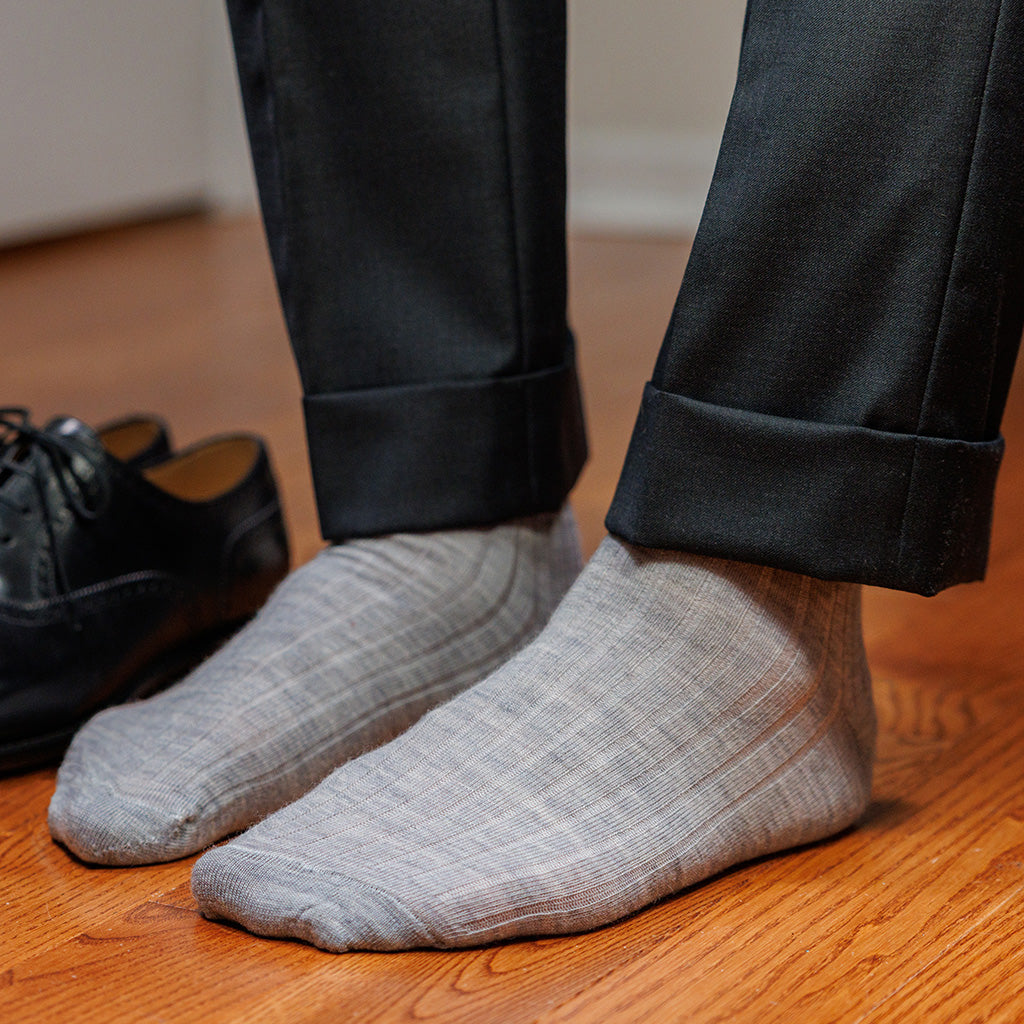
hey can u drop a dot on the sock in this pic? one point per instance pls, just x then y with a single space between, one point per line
349 651
679 714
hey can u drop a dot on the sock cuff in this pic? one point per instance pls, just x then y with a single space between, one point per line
828 500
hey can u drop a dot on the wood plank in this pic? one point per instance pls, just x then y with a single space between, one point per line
835 931
915 915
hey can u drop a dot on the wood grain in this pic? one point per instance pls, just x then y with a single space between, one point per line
913 916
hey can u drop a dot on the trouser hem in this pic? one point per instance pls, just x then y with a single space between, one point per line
827 500
444 455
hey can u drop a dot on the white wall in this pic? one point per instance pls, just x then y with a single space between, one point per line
97 106
113 107
229 180
649 85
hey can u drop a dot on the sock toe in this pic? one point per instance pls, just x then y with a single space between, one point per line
677 715
275 897
104 827
349 652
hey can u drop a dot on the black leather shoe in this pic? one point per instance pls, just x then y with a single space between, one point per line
115 580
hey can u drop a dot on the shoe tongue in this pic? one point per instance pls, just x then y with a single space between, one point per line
75 430
86 458
88 465
68 426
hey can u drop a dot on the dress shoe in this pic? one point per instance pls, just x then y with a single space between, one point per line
115 579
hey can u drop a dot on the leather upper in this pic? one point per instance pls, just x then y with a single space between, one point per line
105 566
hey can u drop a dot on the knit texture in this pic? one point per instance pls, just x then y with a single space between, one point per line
679 714
350 650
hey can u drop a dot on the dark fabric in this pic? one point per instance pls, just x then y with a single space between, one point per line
411 167
504 446
829 393
826 497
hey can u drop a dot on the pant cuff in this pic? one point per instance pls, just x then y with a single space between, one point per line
440 456
832 501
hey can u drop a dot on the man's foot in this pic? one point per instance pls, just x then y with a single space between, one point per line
678 715
348 652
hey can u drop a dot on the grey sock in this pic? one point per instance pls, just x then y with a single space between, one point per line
678 715
349 651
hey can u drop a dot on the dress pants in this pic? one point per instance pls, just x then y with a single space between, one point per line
828 396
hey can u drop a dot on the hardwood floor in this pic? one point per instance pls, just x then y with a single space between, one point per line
913 916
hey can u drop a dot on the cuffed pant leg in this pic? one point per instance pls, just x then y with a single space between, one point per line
411 167
829 393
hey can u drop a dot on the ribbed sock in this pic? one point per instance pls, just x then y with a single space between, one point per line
348 652
678 715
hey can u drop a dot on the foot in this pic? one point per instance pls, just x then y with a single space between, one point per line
349 652
678 715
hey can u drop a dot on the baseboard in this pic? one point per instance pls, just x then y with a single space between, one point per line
639 182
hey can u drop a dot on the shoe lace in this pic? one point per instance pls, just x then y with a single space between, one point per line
42 457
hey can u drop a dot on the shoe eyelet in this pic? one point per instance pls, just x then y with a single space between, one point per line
6 540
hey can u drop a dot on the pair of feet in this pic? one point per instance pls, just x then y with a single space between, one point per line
676 715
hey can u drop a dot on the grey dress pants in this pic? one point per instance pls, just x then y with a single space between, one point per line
828 396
